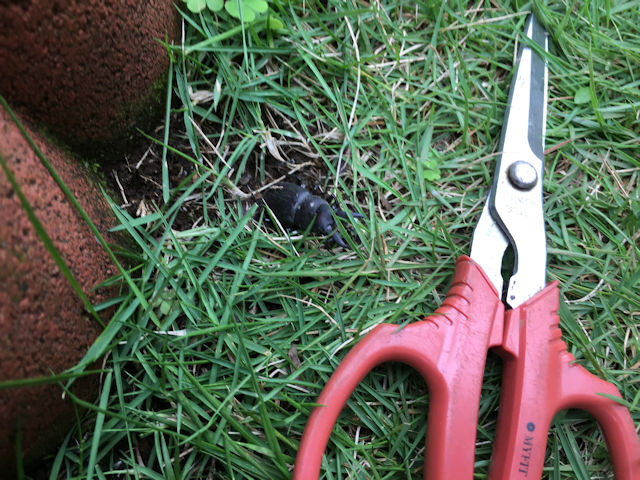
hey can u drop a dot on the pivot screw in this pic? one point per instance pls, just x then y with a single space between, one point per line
522 175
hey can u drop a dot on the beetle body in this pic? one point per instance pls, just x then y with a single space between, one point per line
297 208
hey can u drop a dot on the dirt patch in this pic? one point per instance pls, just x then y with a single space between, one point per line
136 182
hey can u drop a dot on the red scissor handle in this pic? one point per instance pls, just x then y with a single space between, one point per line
449 349
540 378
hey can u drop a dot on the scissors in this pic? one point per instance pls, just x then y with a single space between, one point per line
449 348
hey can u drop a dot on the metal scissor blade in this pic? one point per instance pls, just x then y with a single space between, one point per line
526 115
489 244
515 201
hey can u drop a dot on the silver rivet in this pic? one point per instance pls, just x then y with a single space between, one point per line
522 175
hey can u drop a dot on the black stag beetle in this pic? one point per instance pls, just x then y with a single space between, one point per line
297 208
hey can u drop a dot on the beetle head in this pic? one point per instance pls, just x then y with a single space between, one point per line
324 223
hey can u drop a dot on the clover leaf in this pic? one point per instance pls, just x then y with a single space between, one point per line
198 5
582 95
215 5
249 8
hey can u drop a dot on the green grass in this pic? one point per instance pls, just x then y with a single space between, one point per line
227 330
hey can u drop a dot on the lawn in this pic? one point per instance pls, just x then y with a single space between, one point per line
227 326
